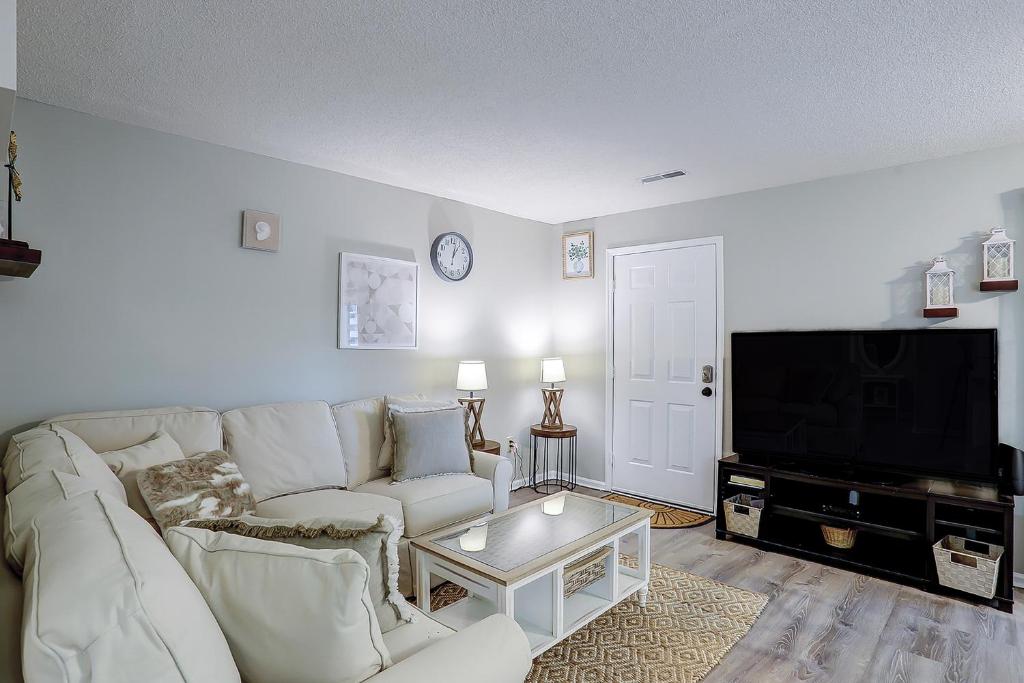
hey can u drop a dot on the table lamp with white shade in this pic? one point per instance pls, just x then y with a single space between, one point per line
552 371
472 378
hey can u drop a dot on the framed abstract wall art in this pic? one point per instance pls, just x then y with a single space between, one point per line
377 302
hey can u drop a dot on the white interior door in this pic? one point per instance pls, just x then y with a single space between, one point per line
665 374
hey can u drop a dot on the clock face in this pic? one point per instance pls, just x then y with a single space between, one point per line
451 256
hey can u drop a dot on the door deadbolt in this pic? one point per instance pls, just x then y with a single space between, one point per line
707 374
706 391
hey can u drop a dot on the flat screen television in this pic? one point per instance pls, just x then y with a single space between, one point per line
911 401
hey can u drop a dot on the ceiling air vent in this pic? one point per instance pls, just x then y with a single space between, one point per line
662 176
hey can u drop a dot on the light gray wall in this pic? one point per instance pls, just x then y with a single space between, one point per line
845 252
144 297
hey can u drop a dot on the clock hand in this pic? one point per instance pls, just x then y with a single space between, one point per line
453 256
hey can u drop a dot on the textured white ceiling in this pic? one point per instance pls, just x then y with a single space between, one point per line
547 110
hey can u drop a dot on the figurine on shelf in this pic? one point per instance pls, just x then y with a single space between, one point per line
17 259
14 193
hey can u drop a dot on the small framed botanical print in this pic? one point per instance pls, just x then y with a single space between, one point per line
261 230
578 255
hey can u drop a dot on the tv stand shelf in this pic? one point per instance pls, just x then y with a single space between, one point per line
898 519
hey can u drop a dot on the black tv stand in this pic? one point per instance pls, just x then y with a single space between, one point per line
898 519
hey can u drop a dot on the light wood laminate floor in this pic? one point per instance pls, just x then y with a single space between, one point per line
828 624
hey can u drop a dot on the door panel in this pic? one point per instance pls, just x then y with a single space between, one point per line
664 332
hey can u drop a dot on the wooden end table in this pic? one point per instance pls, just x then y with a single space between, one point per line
564 435
489 446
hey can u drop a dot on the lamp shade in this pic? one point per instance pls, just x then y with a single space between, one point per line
472 376
552 370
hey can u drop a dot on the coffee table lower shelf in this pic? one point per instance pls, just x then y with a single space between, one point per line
537 602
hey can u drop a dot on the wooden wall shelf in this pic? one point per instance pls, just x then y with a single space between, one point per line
950 312
17 259
999 285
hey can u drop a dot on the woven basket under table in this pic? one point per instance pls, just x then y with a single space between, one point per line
585 571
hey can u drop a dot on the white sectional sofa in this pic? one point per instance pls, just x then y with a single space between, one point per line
309 459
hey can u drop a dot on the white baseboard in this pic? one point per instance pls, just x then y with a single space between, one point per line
1018 579
553 474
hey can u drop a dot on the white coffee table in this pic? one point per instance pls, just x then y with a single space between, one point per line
518 568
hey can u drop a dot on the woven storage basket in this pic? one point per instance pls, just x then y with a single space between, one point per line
584 571
971 571
838 537
743 514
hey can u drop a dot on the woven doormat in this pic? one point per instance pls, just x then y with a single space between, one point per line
665 516
689 624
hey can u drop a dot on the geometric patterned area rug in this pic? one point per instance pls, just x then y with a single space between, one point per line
687 627
665 516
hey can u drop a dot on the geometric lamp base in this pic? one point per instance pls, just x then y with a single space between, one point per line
552 408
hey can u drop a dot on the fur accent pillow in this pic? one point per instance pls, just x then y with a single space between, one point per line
376 543
202 487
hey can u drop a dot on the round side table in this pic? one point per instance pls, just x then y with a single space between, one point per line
489 446
565 438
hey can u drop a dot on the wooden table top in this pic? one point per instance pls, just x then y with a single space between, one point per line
564 432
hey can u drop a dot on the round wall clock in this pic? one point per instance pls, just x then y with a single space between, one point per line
451 256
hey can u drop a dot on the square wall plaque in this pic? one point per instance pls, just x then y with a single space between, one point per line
261 230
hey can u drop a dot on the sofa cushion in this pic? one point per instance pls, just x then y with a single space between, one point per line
435 502
126 464
12 600
376 543
430 442
195 430
285 447
106 601
26 502
360 426
55 448
408 639
289 613
332 504
205 486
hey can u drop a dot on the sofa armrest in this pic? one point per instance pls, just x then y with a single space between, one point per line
499 471
11 599
457 658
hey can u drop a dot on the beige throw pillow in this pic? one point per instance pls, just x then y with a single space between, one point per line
289 613
376 543
430 442
127 462
202 487
415 401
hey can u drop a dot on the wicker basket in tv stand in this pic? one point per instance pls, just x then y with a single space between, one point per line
898 522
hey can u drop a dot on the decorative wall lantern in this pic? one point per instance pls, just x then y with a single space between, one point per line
938 287
997 253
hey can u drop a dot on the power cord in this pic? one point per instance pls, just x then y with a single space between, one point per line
518 466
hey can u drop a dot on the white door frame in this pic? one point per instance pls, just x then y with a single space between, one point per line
609 383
